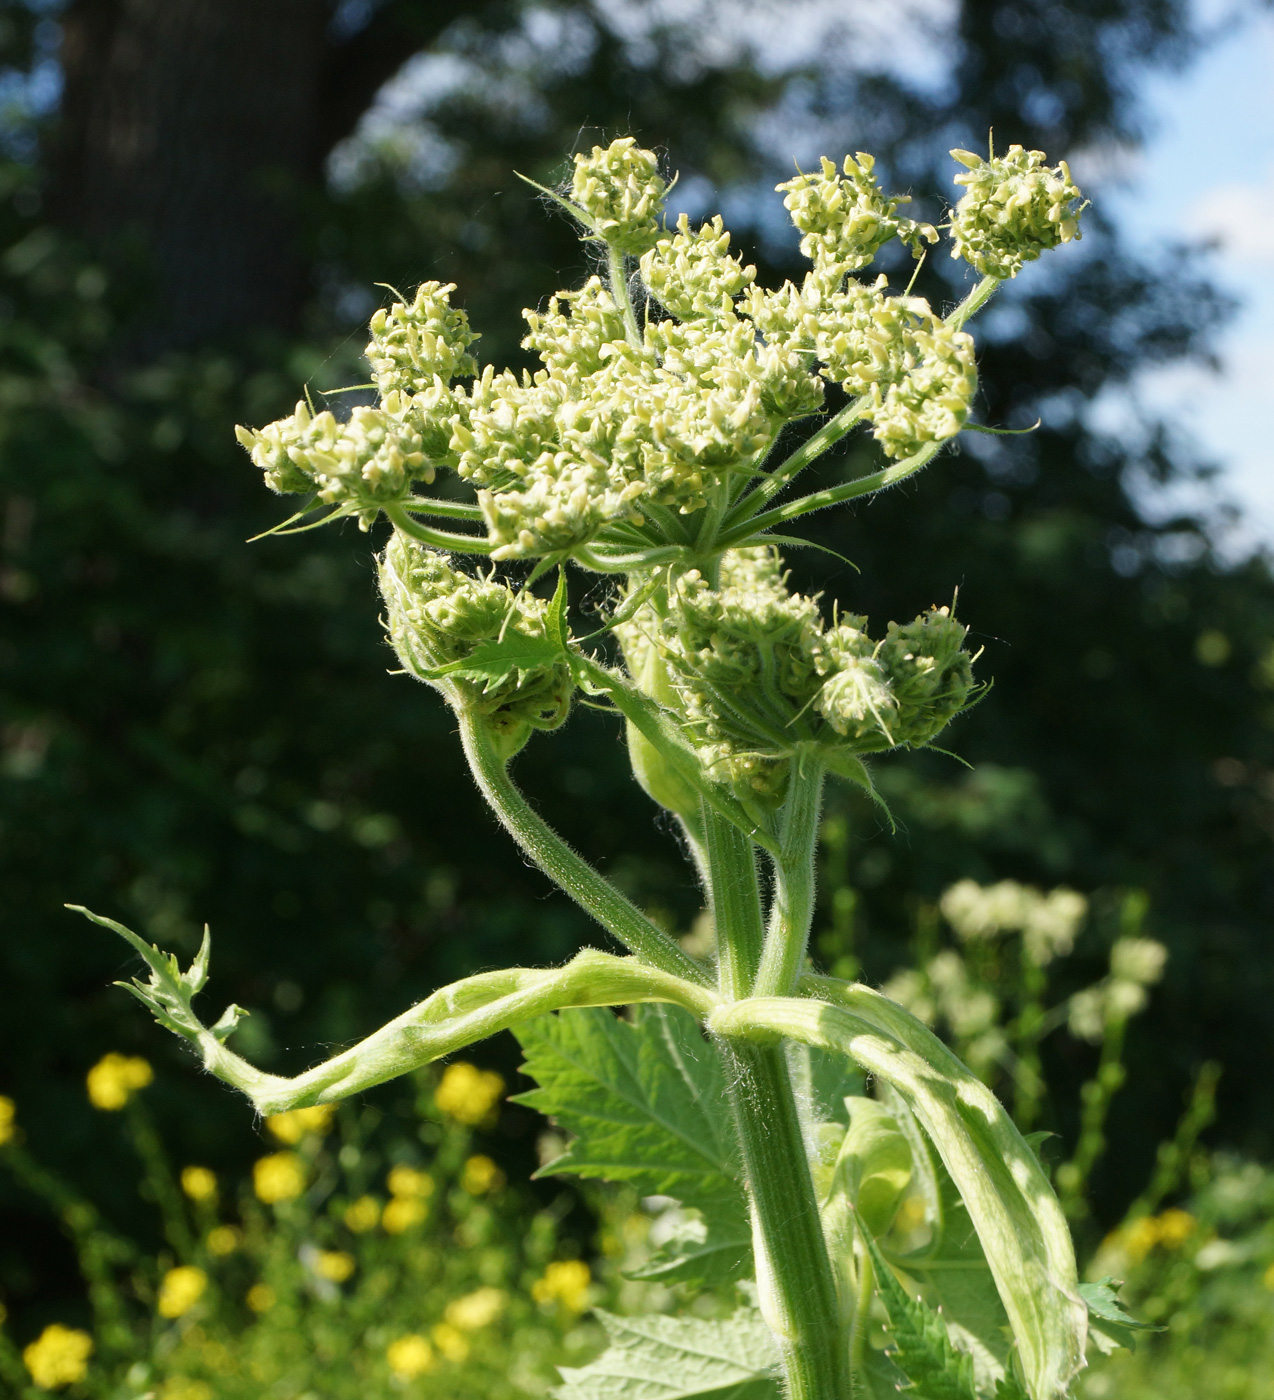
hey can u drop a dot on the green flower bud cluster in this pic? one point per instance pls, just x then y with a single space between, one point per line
607 425
360 465
759 676
621 194
693 274
438 615
1015 209
846 221
413 347
917 373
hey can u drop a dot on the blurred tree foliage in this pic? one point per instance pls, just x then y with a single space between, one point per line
198 728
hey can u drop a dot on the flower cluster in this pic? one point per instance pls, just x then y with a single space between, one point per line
759 676
620 192
468 1094
115 1078
414 348
1015 209
439 615
847 219
58 1356
1048 922
360 465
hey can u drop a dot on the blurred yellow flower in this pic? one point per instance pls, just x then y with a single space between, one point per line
7 1112
402 1213
480 1175
1267 1278
407 1181
451 1342
476 1310
223 1239
114 1079
468 1094
362 1215
1175 1227
1139 1237
565 1282
183 1388
278 1177
334 1264
199 1183
180 1290
410 1356
260 1297
296 1123
58 1356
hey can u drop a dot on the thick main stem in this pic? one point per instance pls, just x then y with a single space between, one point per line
795 1283
565 867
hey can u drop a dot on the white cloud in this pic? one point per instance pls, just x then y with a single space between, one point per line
1240 217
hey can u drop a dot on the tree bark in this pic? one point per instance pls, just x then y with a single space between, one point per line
192 131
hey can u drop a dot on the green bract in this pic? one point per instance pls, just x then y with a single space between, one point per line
644 448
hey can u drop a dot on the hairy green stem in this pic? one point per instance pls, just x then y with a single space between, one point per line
796 1287
974 302
795 886
795 1281
437 539
735 897
619 291
564 866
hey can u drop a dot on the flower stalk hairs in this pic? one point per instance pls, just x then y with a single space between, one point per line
653 444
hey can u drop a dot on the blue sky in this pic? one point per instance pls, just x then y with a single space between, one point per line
1208 172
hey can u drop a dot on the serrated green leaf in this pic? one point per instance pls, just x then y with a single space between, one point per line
498 658
679 1358
703 1249
646 1102
920 1346
1107 1317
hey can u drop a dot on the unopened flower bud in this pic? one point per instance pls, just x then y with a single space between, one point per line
692 274
438 615
412 346
847 220
1015 209
929 671
620 190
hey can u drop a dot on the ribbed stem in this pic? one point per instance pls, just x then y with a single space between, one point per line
735 897
795 1285
795 886
565 867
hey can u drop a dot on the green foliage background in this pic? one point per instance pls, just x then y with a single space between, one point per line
198 728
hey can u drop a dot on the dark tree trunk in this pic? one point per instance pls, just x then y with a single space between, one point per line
191 131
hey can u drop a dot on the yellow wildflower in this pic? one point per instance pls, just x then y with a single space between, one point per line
476 1310
6 1120
199 1183
362 1215
180 1290
260 1297
565 1282
402 1213
296 1123
450 1342
410 1356
278 1177
183 1388
1175 1227
1267 1278
334 1264
1139 1237
481 1175
223 1239
468 1094
58 1356
407 1181
114 1079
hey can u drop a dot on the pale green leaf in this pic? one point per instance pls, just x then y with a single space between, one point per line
679 1358
498 658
